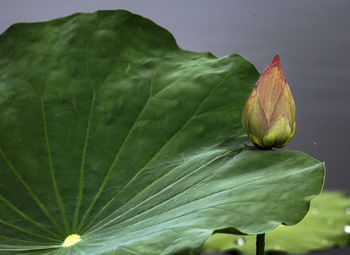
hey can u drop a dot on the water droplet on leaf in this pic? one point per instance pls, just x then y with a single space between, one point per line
276 247
347 229
330 221
315 211
240 241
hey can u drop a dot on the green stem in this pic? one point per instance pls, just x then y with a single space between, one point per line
260 244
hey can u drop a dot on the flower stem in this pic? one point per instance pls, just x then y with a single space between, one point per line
260 244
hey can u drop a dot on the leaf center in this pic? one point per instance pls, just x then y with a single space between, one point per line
71 240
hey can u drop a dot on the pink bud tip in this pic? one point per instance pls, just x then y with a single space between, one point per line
275 61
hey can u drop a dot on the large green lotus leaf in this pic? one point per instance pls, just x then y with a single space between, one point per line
110 131
326 225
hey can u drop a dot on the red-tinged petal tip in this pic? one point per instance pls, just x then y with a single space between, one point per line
275 61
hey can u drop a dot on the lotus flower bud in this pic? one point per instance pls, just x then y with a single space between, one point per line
269 113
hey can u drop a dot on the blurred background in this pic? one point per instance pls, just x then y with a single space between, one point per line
312 38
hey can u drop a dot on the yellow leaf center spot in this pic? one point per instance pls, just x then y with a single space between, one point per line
71 240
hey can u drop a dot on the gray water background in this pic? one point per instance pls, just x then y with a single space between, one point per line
312 38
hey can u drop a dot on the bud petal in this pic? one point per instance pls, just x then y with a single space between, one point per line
278 133
270 85
254 121
269 113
